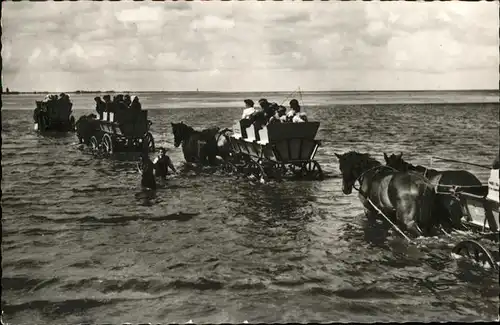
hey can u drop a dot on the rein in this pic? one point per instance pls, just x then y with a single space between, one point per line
453 187
360 178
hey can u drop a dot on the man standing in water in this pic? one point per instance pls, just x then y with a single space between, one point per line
162 163
147 178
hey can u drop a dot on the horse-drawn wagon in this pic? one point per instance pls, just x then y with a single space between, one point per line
54 115
122 132
466 203
276 150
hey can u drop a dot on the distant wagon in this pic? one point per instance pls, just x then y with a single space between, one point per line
277 150
54 114
122 132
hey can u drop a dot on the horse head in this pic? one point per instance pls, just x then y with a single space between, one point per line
346 169
352 165
181 132
395 161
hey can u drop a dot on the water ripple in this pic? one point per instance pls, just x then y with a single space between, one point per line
82 243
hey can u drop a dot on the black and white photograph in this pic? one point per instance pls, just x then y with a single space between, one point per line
208 162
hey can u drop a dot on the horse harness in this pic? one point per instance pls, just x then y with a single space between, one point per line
360 191
360 178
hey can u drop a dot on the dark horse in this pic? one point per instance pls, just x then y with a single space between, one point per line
201 146
85 127
446 205
405 198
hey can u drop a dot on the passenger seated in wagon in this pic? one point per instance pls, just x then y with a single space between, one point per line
248 115
64 99
249 109
268 108
135 105
279 116
108 105
127 100
100 106
294 114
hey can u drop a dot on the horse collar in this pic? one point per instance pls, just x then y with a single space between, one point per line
361 177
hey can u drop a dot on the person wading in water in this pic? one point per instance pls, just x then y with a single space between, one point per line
148 178
162 163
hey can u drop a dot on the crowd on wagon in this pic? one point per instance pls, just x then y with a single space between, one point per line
269 113
119 103
53 100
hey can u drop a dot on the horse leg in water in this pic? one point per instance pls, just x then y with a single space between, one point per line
406 213
202 153
370 212
212 159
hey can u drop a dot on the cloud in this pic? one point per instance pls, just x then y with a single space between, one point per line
248 43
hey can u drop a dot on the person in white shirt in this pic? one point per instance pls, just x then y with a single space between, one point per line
249 109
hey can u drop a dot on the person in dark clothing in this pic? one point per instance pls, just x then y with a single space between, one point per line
135 106
294 105
294 110
100 106
108 105
127 100
260 120
147 177
266 107
162 163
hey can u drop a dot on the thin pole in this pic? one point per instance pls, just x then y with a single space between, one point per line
463 162
392 224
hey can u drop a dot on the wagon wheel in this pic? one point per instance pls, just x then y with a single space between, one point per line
471 249
107 144
271 168
94 145
229 168
149 142
312 169
238 162
280 170
255 169
295 169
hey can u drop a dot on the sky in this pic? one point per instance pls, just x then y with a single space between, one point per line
250 46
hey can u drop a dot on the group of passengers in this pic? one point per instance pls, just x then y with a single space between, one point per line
269 113
119 103
54 100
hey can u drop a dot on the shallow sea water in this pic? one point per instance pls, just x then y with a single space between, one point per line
82 243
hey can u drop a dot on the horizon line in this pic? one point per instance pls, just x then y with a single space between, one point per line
246 91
